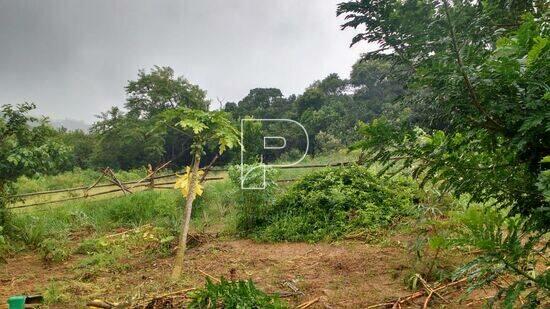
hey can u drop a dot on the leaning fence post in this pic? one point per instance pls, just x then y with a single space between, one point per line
151 174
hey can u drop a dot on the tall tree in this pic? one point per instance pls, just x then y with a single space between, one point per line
474 120
158 90
461 77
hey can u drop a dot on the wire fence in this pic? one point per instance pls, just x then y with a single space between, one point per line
128 187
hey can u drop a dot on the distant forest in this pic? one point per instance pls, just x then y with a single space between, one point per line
329 109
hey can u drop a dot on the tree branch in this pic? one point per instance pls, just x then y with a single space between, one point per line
474 99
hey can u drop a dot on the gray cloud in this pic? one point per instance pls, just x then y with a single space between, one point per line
73 58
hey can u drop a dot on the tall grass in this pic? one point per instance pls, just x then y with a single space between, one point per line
213 212
75 178
100 216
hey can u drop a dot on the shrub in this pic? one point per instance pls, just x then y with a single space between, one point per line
252 205
506 250
327 142
54 250
233 294
334 202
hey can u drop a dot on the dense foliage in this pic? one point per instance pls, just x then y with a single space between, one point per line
474 118
233 294
329 109
252 205
505 245
487 92
25 149
333 203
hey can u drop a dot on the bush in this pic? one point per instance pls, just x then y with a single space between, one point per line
54 251
252 205
233 294
507 250
334 202
327 142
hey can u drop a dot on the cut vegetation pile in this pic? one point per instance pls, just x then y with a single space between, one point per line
333 203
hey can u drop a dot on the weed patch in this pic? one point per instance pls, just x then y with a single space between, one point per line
54 250
233 294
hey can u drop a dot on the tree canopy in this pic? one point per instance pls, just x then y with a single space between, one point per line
26 148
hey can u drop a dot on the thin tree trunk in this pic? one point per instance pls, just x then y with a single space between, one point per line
182 243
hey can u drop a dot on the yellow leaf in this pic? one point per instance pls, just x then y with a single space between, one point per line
184 180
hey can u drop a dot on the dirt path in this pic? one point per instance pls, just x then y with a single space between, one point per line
346 274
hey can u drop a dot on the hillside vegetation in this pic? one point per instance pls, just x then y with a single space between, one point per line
438 193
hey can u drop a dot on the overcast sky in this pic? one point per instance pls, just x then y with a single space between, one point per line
73 58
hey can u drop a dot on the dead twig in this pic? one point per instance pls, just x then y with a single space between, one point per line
100 304
429 288
93 185
113 179
151 173
427 300
208 275
415 295
308 304
169 294
208 167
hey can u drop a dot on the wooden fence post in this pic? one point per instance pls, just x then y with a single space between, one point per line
151 174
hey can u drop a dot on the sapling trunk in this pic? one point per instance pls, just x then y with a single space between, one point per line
182 242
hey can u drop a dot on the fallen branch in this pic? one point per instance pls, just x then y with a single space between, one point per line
307 304
427 300
415 295
100 304
429 288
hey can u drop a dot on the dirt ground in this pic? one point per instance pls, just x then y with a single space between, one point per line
347 274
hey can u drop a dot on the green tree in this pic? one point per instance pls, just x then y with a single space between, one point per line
159 90
492 91
27 147
124 142
83 146
212 129
475 115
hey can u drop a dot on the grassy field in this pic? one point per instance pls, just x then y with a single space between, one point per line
121 249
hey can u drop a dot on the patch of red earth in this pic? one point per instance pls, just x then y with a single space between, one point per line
346 274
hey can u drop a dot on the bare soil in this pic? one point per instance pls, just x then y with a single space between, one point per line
348 274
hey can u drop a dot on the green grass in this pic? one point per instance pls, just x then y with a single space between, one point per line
161 208
71 179
215 211
31 228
